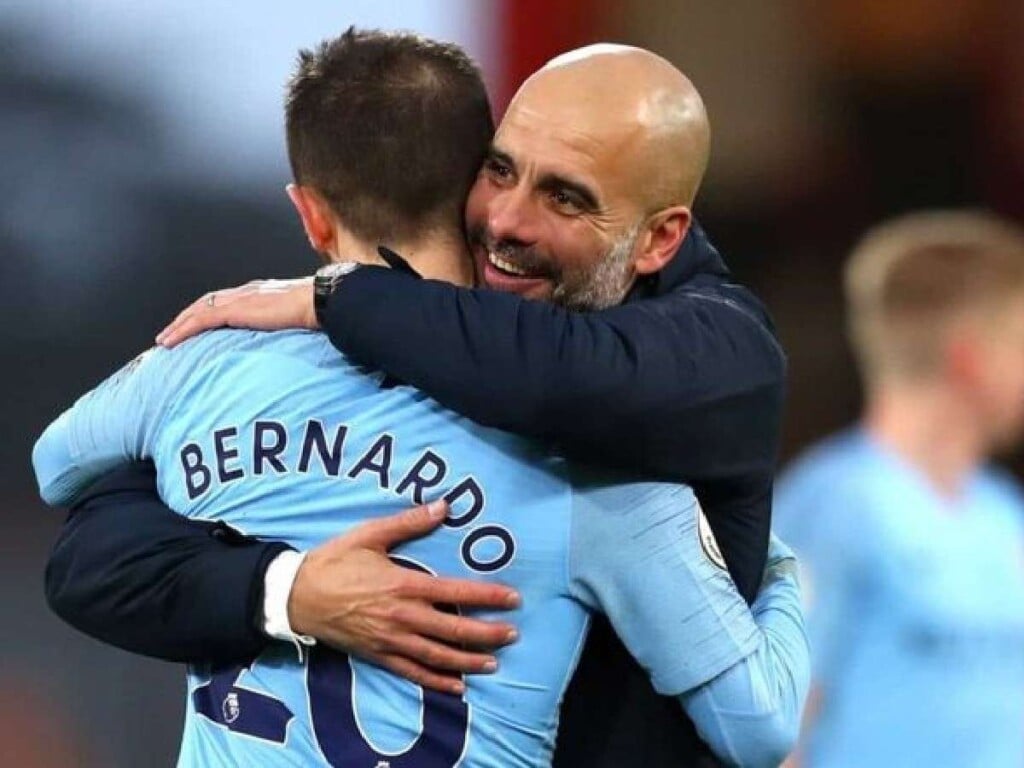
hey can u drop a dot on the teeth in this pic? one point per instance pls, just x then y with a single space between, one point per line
506 266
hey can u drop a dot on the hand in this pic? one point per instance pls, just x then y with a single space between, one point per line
266 305
349 594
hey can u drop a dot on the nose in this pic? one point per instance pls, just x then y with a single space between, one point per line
511 216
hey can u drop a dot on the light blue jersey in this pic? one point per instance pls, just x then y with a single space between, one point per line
917 610
280 437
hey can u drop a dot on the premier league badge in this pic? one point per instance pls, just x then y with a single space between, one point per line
230 708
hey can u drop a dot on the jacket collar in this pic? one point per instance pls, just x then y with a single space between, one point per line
696 255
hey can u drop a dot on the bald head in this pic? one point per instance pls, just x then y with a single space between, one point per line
590 178
635 106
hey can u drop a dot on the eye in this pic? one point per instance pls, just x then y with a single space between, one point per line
566 201
497 169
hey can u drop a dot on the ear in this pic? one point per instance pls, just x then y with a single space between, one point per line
317 217
664 233
961 356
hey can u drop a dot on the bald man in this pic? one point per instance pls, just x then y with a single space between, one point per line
584 200
591 178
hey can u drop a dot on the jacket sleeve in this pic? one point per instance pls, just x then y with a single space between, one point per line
130 572
685 386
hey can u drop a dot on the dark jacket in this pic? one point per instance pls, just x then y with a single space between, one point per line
683 381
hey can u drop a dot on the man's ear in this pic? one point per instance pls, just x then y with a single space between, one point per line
960 356
661 238
317 217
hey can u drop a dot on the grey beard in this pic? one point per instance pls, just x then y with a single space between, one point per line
605 284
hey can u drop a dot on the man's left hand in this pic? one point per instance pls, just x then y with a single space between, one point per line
265 305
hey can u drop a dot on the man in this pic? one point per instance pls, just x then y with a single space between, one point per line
264 431
914 547
682 382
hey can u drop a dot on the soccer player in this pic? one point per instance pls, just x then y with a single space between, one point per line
914 545
278 436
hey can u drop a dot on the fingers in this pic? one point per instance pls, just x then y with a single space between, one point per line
261 304
384 533
187 325
424 676
439 656
197 317
424 619
201 315
463 592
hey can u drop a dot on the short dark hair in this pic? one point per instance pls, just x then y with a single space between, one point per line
391 128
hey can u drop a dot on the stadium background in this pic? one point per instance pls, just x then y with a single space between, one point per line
142 163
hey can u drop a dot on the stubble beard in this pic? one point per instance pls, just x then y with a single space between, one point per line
603 285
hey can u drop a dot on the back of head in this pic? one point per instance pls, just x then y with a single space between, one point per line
910 279
390 129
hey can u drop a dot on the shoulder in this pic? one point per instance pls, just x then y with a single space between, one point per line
1003 494
707 331
232 340
829 492
618 525
255 347
614 520
611 494
836 458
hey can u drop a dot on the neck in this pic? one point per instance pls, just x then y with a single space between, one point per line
928 428
436 256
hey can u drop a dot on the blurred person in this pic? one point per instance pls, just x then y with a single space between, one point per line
253 430
913 544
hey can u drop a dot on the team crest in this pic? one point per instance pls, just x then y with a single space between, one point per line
230 708
707 539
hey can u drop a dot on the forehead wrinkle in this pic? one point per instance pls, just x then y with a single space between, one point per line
647 116
607 155
575 146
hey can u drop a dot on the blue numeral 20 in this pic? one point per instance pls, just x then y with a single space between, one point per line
329 684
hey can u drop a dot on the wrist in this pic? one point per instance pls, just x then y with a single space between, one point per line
301 612
325 283
279 584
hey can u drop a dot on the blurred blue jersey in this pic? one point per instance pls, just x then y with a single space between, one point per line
916 619
280 437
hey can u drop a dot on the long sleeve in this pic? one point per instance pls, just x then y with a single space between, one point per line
130 572
750 715
741 674
631 385
685 386
637 556
118 421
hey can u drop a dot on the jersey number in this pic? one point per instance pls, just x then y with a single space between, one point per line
329 683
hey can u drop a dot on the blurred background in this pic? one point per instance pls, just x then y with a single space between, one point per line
142 156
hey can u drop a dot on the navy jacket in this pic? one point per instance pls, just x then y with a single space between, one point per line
683 381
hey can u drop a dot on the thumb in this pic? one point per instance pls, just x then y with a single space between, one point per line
411 523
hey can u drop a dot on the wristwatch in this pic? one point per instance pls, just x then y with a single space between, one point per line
326 282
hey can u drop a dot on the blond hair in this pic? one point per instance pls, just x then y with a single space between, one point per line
909 278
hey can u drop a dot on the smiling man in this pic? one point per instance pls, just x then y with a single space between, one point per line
576 198
585 200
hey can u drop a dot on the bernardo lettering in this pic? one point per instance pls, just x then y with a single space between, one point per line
322 450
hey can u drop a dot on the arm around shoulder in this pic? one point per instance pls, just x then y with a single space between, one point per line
633 382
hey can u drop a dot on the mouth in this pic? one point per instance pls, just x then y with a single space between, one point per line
500 274
507 267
